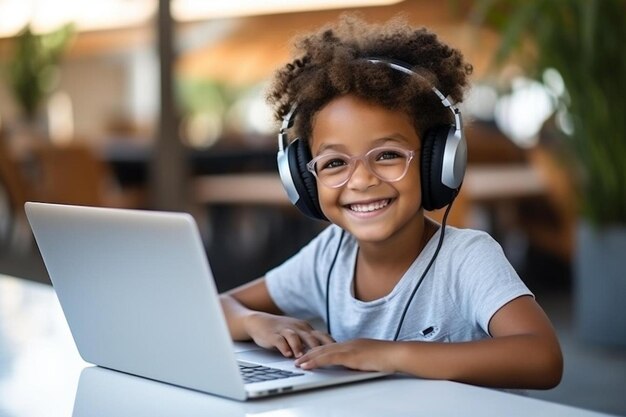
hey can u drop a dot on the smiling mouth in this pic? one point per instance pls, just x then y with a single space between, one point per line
369 207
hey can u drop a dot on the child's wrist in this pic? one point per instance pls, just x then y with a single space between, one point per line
399 356
250 321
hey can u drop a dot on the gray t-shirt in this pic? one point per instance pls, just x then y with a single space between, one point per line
468 283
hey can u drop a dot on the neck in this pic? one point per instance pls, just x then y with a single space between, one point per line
402 248
380 266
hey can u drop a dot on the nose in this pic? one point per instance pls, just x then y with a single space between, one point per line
362 178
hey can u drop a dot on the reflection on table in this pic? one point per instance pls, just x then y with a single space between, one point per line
39 363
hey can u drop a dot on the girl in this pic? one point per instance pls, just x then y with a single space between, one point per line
378 142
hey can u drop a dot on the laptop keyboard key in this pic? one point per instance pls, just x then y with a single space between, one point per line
259 373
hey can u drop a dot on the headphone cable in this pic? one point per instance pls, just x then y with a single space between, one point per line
330 270
419 282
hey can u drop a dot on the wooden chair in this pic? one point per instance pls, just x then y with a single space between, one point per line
73 174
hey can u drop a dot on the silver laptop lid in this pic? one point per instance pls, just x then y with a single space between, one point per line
138 294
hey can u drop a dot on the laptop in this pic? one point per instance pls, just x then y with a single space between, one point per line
139 297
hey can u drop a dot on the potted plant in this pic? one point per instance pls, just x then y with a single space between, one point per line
584 40
32 70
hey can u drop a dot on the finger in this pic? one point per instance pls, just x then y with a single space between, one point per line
315 358
294 341
324 338
280 343
312 363
309 339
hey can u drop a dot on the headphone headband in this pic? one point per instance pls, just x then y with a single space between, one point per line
446 101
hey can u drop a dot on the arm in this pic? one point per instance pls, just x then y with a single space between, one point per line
252 314
523 353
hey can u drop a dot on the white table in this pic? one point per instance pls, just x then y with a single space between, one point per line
41 374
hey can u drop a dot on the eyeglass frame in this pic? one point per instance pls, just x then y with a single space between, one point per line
352 163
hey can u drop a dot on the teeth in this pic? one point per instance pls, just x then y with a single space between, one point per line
364 208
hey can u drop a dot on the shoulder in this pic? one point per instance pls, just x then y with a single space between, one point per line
470 250
468 239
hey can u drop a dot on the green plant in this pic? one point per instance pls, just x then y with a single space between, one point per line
585 41
32 69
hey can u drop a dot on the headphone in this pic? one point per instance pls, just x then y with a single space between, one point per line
443 158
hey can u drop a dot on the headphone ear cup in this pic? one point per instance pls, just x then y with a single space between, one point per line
435 194
299 155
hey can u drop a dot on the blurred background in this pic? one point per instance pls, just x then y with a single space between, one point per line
160 105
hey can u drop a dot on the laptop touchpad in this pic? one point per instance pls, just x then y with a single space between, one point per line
260 356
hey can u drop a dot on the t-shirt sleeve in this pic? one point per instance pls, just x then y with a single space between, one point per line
297 286
486 280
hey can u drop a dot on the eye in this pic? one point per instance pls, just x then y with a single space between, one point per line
332 162
387 154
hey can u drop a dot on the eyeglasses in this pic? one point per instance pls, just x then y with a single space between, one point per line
387 163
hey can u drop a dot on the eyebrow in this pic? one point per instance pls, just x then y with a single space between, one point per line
395 137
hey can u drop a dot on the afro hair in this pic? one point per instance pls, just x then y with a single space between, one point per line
332 62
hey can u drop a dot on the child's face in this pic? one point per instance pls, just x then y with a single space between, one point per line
369 208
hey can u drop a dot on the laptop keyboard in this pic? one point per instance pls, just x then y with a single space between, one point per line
259 373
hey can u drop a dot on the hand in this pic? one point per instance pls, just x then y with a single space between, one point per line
290 336
361 354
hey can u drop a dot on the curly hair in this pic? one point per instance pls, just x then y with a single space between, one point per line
331 63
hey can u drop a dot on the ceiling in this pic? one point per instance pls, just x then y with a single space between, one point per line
46 15
253 47
246 50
